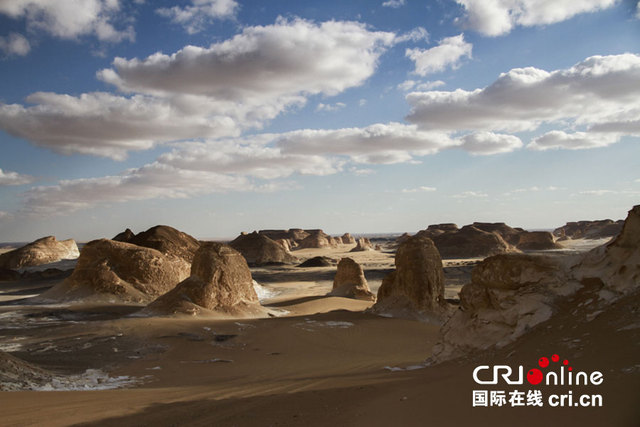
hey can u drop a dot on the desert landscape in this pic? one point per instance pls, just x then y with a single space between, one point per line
160 328
320 213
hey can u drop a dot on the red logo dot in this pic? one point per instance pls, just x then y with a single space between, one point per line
543 362
565 362
534 376
555 357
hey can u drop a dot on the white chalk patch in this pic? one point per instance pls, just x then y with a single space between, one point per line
92 379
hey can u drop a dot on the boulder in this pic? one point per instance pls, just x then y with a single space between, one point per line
41 251
220 281
347 239
258 249
536 241
169 241
318 261
350 282
415 288
363 244
122 271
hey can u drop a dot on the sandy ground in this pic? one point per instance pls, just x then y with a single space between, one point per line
324 362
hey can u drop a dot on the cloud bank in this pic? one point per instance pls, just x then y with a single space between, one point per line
499 17
69 19
194 18
601 93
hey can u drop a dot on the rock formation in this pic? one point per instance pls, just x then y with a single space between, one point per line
220 281
258 249
126 236
127 272
350 281
469 242
347 239
416 287
437 229
536 241
169 241
318 261
511 294
293 235
589 229
286 245
41 251
363 244
509 234
315 240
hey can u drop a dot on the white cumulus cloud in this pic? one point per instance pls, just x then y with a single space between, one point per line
498 17
601 90
14 44
448 53
262 64
394 3
422 189
488 143
572 141
194 18
106 125
70 19
14 178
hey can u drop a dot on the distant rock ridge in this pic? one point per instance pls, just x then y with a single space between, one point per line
220 281
483 239
42 251
350 282
589 229
258 249
511 294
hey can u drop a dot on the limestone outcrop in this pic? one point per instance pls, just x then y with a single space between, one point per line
42 251
220 281
107 269
258 250
415 288
350 282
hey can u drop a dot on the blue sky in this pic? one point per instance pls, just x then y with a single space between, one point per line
218 116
